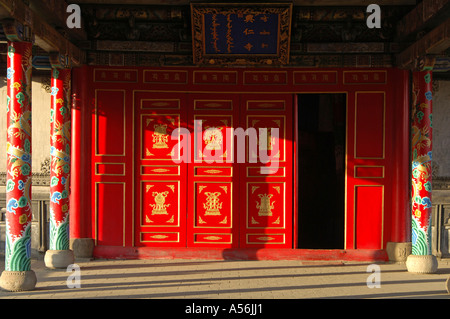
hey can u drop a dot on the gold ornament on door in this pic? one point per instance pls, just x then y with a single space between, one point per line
160 136
266 140
213 204
265 207
213 138
160 206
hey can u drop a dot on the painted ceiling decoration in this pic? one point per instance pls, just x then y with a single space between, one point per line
323 33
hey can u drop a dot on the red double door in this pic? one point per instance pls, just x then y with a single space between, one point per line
213 170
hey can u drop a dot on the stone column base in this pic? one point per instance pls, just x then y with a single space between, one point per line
422 264
55 259
82 247
398 252
18 280
447 285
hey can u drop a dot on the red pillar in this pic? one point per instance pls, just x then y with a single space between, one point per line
401 221
81 242
60 159
18 180
59 255
75 195
421 163
421 260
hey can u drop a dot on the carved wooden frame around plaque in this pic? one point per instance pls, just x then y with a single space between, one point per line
241 34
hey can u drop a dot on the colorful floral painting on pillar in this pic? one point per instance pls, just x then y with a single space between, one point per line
421 131
60 159
18 183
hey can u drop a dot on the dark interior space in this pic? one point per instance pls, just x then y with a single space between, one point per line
321 169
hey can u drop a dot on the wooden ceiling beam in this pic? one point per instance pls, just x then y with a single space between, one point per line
309 3
46 37
55 13
427 15
434 42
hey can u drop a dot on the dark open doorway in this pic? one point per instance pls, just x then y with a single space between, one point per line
321 170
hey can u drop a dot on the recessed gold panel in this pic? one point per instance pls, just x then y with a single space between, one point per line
157 170
370 125
213 238
273 147
266 105
110 169
166 76
155 104
157 131
267 239
222 105
213 142
266 205
213 171
110 123
159 237
369 171
116 75
213 205
160 204
266 172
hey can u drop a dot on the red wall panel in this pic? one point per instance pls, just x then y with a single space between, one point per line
369 125
110 124
110 212
369 216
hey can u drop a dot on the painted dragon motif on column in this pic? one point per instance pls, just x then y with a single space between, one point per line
18 180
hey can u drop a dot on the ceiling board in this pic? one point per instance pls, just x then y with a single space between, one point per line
295 2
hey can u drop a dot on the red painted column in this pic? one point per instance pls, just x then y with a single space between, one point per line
59 255
421 163
60 159
18 180
81 242
75 195
421 259
401 221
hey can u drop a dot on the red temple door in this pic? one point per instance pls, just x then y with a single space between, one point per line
368 168
219 183
266 178
111 185
160 187
213 180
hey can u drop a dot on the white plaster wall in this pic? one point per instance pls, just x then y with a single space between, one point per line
441 128
40 124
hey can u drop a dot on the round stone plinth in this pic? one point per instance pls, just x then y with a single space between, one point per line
18 280
55 259
447 285
422 264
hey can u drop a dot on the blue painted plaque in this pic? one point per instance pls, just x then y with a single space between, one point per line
240 34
